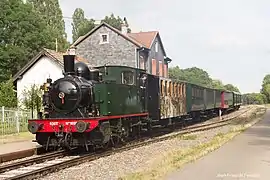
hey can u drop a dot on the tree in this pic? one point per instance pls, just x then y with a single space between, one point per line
176 73
254 98
266 79
198 76
266 91
231 87
266 87
32 98
51 12
217 84
7 95
22 34
115 22
80 24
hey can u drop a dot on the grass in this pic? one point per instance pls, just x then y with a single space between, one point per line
267 105
187 137
176 159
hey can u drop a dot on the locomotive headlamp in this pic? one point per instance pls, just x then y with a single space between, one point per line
33 127
81 126
61 127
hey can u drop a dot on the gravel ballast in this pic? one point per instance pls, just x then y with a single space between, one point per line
139 159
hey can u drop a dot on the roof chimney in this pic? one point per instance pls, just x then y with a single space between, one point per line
124 27
97 22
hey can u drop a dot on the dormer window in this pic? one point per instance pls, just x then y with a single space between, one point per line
104 38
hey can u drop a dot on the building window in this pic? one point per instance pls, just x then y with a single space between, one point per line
104 38
128 77
141 59
156 46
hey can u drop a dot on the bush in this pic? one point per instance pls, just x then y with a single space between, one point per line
7 94
32 98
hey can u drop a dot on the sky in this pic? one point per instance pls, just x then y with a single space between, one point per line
230 39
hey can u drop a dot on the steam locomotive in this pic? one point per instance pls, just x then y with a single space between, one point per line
107 105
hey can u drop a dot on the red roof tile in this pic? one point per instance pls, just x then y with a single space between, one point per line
56 56
145 38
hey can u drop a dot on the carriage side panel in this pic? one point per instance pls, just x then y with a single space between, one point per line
172 98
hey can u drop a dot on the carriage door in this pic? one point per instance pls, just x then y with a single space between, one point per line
153 102
142 92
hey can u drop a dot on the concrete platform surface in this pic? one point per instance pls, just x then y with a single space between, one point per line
17 146
247 156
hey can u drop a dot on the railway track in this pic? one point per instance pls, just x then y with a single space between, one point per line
51 162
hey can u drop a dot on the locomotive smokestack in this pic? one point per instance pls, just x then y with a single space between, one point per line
69 64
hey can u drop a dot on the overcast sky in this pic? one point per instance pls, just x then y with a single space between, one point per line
230 39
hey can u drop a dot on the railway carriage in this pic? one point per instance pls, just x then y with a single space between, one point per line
218 98
237 100
110 104
226 100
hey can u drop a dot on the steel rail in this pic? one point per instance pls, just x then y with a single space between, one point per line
38 159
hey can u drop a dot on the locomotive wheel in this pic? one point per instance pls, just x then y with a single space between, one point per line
106 145
115 140
68 141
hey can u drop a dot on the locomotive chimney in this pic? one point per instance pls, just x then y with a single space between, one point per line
69 64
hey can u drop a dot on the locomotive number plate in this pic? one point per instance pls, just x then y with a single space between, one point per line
71 123
66 123
53 123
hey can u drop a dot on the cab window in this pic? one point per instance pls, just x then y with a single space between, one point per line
128 77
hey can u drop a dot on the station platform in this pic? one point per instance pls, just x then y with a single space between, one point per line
17 149
17 146
247 156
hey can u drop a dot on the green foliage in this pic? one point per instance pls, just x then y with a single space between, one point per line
51 13
22 32
200 77
266 87
176 73
231 87
217 84
7 95
254 98
115 22
32 98
80 24
193 75
197 76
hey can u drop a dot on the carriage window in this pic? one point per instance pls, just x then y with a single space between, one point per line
170 89
165 88
128 77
